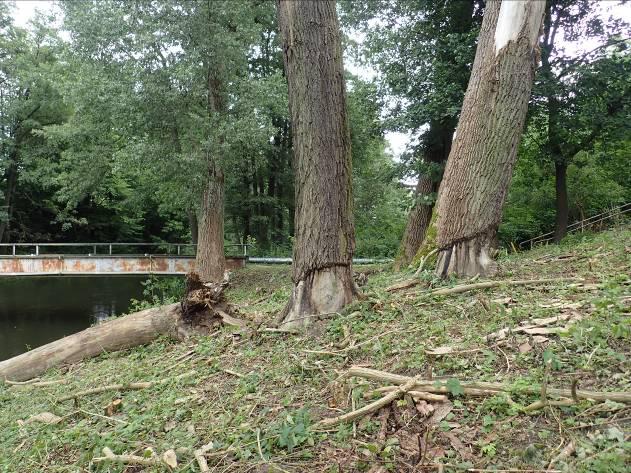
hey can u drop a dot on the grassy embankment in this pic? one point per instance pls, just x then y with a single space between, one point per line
256 396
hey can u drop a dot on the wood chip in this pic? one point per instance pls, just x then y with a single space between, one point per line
424 408
440 412
113 407
43 418
170 458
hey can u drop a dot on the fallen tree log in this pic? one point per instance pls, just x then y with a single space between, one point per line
483 388
124 332
202 309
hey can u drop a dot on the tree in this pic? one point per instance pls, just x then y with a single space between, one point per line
186 104
322 266
480 164
423 52
556 92
28 102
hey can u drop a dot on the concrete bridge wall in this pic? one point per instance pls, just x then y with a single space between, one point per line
40 265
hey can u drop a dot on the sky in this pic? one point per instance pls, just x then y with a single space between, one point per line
25 10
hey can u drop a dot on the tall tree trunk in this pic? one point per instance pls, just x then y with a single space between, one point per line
437 147
561 204
325 237
484 151
12 180
558 152
418 222
192 223
210 260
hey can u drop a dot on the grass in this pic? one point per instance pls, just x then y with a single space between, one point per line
256 397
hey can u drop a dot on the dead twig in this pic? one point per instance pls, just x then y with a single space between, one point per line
122 387
565 453
490 284
424 260
403 285
127 459
372 407
483 388
415 394
36 383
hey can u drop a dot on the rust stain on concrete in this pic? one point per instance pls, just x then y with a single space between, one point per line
104 265
81 266
160 265
11 266
52 265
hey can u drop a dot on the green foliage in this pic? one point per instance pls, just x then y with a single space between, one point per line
454 387
159 290
293 430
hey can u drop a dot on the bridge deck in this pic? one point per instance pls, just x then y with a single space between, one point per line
42 265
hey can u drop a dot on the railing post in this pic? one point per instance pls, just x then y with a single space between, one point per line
178 250
13 250
37 250
110 249
95 249
245 250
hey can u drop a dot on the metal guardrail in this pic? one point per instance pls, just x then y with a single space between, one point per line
36 249
581 225
163 249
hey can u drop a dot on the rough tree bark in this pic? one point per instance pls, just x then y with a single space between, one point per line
561 201
192 223
483 154
457 17
418 220
322 264
555 148
210 260
12 175
437 147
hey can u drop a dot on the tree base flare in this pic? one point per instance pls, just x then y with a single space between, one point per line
321 292
467 258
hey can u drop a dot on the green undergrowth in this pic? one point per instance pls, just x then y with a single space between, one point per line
256 395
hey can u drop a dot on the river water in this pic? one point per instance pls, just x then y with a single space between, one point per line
38 310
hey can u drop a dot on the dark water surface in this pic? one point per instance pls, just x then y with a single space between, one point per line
38 310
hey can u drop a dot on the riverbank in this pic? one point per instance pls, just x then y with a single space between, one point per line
253 398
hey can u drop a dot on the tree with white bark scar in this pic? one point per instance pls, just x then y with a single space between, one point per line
484 150
325 239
